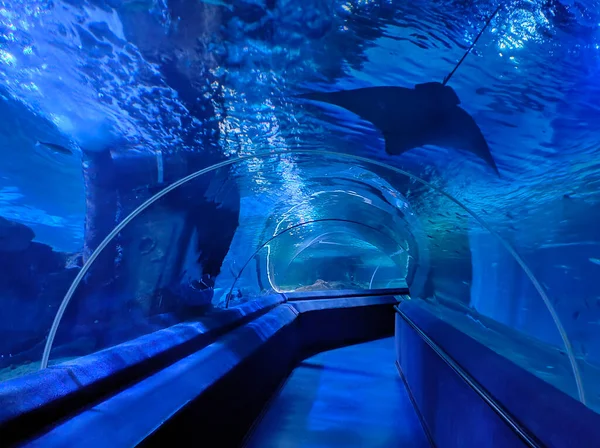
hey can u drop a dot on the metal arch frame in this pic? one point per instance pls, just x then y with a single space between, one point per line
295 226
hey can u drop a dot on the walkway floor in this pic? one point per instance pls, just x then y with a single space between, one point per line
349 397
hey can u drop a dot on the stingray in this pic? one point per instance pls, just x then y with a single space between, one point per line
409 118
428 114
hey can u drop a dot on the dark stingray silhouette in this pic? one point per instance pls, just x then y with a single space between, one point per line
409 118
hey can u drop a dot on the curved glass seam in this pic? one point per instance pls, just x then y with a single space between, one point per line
537 285
318 240
373 277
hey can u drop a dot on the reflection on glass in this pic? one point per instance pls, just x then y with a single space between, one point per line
335 260
341 263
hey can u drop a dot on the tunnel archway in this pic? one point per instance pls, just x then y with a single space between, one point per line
269 264
434 285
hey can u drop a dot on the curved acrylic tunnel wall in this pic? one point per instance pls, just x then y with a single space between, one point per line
161 264
280 222
326 254
345 218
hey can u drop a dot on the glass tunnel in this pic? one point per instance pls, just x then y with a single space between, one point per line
165 162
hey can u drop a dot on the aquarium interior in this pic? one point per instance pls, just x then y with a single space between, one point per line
163 161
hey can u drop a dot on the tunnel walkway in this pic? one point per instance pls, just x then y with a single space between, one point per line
348 397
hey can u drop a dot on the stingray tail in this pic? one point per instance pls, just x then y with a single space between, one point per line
485 155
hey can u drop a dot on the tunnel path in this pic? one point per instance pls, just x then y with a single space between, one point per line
348 397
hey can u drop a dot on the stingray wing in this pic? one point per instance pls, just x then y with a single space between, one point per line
458 130
435 92
399 142
384 107
409 118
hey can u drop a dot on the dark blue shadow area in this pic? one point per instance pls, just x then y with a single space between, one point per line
348 397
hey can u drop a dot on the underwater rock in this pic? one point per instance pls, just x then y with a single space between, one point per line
146 245
190 296
24 272
44 258
14 236
74 261
27 313
33 282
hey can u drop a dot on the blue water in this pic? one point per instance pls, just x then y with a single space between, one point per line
138 94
